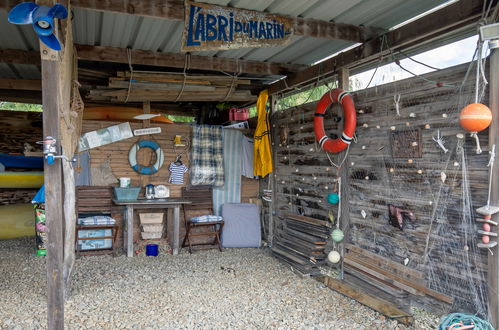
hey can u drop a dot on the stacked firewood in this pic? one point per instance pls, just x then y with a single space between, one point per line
300 243
168 87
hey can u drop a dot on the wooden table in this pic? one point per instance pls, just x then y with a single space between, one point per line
163 203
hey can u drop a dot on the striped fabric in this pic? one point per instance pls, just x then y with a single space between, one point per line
207 218
207 156
177 173
96 220
232 153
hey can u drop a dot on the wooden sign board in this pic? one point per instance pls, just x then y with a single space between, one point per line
212 27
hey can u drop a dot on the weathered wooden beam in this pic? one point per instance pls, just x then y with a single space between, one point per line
452 17
12 95
53 197
21 84
493 258
15 56
171 60
378 304
174 10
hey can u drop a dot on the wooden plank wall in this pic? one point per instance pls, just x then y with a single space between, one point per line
376 179
117 154
16 128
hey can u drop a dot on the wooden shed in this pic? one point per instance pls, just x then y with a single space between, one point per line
388 216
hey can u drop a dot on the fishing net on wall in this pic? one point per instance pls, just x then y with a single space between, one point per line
413 184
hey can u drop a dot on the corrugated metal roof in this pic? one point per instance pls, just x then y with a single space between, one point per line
122 30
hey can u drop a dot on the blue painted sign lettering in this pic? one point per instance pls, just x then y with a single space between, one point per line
210 27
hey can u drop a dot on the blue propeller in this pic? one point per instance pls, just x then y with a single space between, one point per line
42 19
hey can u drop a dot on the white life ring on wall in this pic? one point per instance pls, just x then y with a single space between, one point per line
147 170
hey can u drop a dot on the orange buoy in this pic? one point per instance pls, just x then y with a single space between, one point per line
475 117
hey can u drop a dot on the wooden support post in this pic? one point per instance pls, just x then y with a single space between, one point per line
493 260
271 178
51 87
343 83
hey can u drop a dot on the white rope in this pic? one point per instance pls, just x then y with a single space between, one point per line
187 64
129 58
331 161
477 140
491 165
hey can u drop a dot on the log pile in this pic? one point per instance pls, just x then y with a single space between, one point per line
301 242
169 87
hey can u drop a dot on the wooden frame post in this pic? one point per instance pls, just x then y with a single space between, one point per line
344 83
51 87
493 259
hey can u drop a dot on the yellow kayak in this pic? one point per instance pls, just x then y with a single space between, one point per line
17 220
21 179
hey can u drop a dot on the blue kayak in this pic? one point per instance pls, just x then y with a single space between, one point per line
19 161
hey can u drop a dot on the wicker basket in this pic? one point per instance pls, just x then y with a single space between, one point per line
154 235
151 218
152 228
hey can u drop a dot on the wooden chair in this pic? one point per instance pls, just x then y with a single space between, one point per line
95 200
199 214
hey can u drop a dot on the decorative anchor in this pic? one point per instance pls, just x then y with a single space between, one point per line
440 141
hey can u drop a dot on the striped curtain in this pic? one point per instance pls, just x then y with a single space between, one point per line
230 192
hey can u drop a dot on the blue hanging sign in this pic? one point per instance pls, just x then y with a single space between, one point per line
212 27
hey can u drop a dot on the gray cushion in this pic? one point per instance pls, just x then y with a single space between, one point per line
242 225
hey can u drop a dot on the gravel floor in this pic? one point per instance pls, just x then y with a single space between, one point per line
236 289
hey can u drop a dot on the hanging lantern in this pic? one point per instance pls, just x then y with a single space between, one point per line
334 257
337 235
475 117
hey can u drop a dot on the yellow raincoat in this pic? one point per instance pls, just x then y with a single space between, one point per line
262 162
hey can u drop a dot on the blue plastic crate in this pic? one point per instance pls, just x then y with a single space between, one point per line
126 194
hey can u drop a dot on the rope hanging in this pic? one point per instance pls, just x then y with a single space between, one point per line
129 58
187 65
234 77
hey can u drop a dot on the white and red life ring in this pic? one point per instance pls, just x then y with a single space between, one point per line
350 120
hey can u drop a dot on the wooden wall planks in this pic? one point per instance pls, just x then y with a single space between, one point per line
117 154
304 176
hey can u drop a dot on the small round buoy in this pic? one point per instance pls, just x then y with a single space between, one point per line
337 235
475 117
485 239
486 227
333 257
333 198
487 216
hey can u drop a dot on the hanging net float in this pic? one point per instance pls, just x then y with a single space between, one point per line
333 198
337 235
333 257
475 118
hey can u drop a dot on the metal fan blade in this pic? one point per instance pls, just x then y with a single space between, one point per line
51 41
21 14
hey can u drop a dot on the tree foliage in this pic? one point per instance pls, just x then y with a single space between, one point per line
13 106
